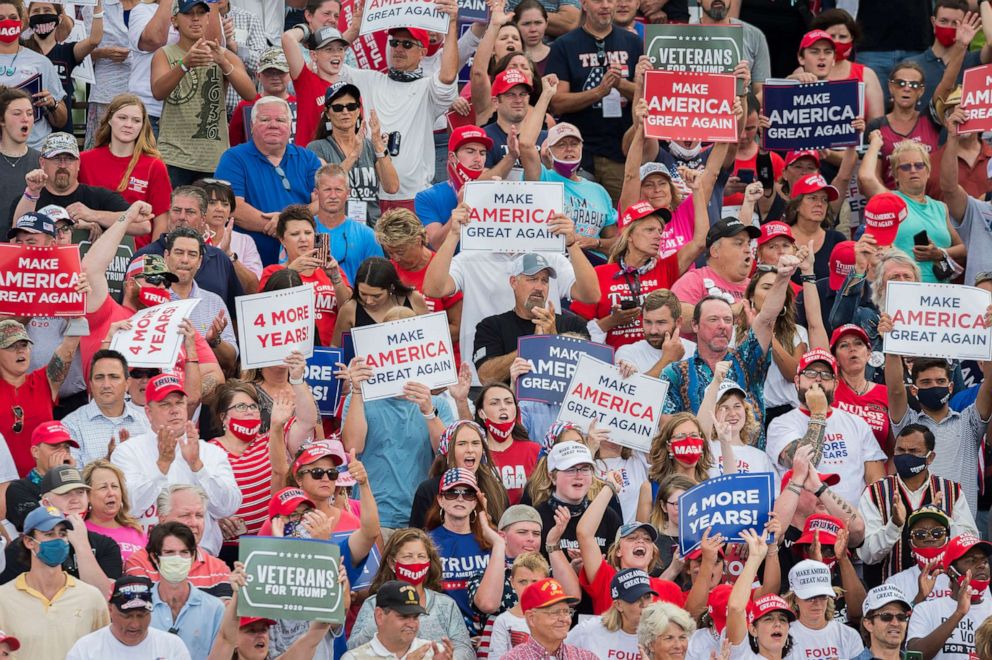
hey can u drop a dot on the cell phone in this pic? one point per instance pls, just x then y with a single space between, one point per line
393 144
766 174
921 239
77 327
628 303
746 176
912 655
323 244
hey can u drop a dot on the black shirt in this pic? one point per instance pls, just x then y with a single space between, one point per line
896 25
497 335
105 549
94 197
22 498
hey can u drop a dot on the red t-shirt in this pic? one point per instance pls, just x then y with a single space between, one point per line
599 589
615 288
515 464
326 302
34 398
310 90
778 165
416 280
872 406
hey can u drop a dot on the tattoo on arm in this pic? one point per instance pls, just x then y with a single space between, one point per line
57 369
208 384
815 434
789 454
840 503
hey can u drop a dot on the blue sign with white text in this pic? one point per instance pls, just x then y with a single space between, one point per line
369 568
812 116
554 358
320 377
727 505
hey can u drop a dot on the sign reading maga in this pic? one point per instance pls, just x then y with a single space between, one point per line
272 325
728 504
629 408
512 216
976 99
690 106
154 339
418 349
554 359
814 116
937 320
382 15
40 281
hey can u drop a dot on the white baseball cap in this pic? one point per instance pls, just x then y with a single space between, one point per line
568 454
882 595
809 579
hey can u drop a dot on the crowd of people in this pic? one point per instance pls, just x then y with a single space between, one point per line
289 149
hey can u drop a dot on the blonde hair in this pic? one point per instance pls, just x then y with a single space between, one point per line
399 226
620 247
144 144
123 516
397 313
904 146
793 601
532 561
983 640
611 619
662 464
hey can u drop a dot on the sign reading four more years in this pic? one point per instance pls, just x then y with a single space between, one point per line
938 320
728 505
512 216
554 359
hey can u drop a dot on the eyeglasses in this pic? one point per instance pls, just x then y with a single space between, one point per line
320 473
561 613
816 374
62 159
936 533
912 84
18 419
143 373
887 617
407 44
672 502
244 407
157 280
341 107
64 229
908 167
579 469
285 181
464 493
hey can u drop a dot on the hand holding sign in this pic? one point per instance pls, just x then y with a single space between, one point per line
419 394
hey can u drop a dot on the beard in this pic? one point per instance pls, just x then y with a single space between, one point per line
655 342
718 12
535 301
828 393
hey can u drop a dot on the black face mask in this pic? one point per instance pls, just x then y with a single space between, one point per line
43 24
933 398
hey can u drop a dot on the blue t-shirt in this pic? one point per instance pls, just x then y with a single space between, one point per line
352 243
586 202
461 559
436 203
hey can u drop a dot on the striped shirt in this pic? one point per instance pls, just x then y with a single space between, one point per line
253 474
207 574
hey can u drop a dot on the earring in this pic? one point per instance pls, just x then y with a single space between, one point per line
472 516
328 125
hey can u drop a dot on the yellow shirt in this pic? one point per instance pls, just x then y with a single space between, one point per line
47 629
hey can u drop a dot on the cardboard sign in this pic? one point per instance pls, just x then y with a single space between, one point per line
976 99
512 216
418 349
937 320
815 116
291 579
690 106
319 375
381 15
369 567
696 48
630 408
154 339
40 281
369 49
273 325
729 505
32 86
554 358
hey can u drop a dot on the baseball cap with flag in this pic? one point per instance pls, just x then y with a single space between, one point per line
457 477
150 264
883 215
33 222
132 592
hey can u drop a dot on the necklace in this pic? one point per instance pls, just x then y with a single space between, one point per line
10 69
17 159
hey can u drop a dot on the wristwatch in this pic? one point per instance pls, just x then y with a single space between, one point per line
551 548
299 381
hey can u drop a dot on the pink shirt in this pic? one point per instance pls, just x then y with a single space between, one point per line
679 231
129 539
697 284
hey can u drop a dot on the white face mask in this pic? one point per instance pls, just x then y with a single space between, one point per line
174 569
682 153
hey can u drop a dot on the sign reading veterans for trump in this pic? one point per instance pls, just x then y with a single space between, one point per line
418 349
814 116
554 359
291 579
727 505
382 15
154 339
512 216
690 106
976 99
629 408
272 325
696 48
938 320
40 281
319 375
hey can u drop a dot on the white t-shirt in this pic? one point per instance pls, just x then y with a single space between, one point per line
835 640
743 651
929 614
634 472
848 443
908 582
140 81
484 278
702 643
749 459
102 644
509 630
644 356
591 635
779 389
8 470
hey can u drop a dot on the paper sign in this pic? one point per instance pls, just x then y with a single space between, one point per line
272 325
690 106
154 339
473 11
415 349
381 15
696 48
814 116
630 408
976 99
40 281
554 358
319 375
32 86
369 567
83 72
729 504
512 216
291 579
937 320
369 49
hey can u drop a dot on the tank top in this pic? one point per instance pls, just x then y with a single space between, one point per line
363 318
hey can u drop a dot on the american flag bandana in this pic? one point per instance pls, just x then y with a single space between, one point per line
449 434
554 432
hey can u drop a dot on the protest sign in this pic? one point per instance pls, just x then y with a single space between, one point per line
369 49
937 320
512 216
154 339
418 349
814 116
274 324
976 99
690 106
40 281
369 567
554 358
473 11
696 48
32 86
319 375
729 504
291 579
629 408
381 15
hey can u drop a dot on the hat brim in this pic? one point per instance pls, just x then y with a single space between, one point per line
857 332
58 152
535 271
636 593
190 8
921 515
460 482
347 88
49 525
788 613
406 610
554 601
888 601
484 140
68 488
10 342
826 538
814 591
11 642
133 604
650 529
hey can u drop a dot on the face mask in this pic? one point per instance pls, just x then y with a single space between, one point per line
978 585
500 430
933 398
566 168
174 569
841 51
688 451
10 30
945 35
53 552
908 466
151 296
682 153
244 430
829 562
432 48
43 24
924 556
458 174
412 573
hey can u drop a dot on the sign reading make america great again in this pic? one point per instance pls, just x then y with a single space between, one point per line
696 48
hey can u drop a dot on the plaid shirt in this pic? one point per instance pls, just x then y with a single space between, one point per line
531 650
251 45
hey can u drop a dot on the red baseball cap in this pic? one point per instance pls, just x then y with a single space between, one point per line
9 640
162 386
766 605
287 500
883 214
829 479
418 34
812 37
248 620
639 210
716 605
51 433
817 355
466 134
827 526
698 552
960 545
793 156
544 593
771 230
812 183
841 263
318 450
508 79
848 329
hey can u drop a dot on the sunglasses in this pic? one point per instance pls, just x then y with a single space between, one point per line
158 280
285 181
320 473
909 167
407 44
912 84
886 617
143 373
936 533
18 419
455 493
216 182
341 107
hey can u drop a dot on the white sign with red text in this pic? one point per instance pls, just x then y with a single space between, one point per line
154 339
382 15
938 320
512 216
272 325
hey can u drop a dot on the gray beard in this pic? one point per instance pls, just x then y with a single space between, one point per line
716 14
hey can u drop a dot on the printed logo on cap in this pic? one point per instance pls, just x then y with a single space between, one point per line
166 379
822 525
288 495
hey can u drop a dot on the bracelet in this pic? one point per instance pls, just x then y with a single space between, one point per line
431 415
808 279
551 548
612 486
97 15
183 67
304 28
227 73
819 491
795 488
818 419
33 198
382 155
297 381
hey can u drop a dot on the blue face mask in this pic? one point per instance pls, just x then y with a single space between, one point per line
908 465
53 552
933 398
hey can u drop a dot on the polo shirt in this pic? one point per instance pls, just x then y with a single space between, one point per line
105 550
435 204
198 623
208 574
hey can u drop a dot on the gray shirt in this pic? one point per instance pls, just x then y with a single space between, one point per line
755 51
362 177
975 229
12 184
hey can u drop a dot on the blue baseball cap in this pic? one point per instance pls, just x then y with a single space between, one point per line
44 518
34 223
630 585
186 6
